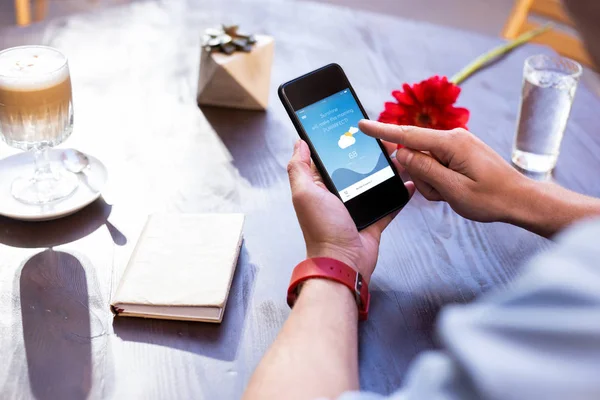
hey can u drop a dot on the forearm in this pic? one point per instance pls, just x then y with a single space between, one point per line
316 353
546 208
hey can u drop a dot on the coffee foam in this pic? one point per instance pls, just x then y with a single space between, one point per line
32 68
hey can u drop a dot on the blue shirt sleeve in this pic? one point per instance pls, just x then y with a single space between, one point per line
538 339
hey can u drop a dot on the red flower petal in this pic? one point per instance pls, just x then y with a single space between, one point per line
415 92
448 93
394 109
458 117
387 119
428 103
403 97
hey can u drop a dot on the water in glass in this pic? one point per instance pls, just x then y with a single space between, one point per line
549 85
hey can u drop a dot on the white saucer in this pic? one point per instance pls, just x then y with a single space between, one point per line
91 183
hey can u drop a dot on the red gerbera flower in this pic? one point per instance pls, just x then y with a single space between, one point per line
428 104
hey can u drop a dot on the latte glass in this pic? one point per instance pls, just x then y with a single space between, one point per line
36 113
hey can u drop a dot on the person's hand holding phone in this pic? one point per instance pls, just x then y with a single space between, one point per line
328 229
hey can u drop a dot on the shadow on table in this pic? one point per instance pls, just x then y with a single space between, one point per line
25 234
57 336
249 136
218 341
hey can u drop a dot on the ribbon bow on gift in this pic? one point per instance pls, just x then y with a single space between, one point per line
227 40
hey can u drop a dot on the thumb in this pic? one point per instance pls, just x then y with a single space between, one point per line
299 169
423 167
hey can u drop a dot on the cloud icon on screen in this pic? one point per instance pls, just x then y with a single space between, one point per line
347 139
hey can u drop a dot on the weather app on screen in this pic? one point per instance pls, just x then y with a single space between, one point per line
353 160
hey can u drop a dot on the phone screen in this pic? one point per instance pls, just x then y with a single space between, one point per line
353 160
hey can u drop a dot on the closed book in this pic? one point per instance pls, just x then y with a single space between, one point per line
181 268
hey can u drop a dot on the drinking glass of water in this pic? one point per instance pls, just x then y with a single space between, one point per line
36 113
549 84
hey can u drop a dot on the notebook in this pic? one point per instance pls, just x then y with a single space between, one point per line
181 268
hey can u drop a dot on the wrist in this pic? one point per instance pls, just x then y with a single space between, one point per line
521 197
330 273
324 292
340 254
540 207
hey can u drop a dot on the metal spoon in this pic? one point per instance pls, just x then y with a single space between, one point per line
77 162
74 160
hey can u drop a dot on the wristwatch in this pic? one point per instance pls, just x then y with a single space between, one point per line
329 268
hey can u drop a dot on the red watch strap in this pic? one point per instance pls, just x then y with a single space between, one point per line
329 268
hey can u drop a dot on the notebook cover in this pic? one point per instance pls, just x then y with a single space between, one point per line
182 264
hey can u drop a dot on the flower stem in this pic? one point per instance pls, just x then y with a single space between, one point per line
498 51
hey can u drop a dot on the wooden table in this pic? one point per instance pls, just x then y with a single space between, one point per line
134 72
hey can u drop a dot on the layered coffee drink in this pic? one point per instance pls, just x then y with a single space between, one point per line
36 113
36 108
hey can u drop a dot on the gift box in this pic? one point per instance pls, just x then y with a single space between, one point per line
237 80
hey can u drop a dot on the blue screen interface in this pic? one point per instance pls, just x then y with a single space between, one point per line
353 160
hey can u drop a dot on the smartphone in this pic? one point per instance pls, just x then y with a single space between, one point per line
355 167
